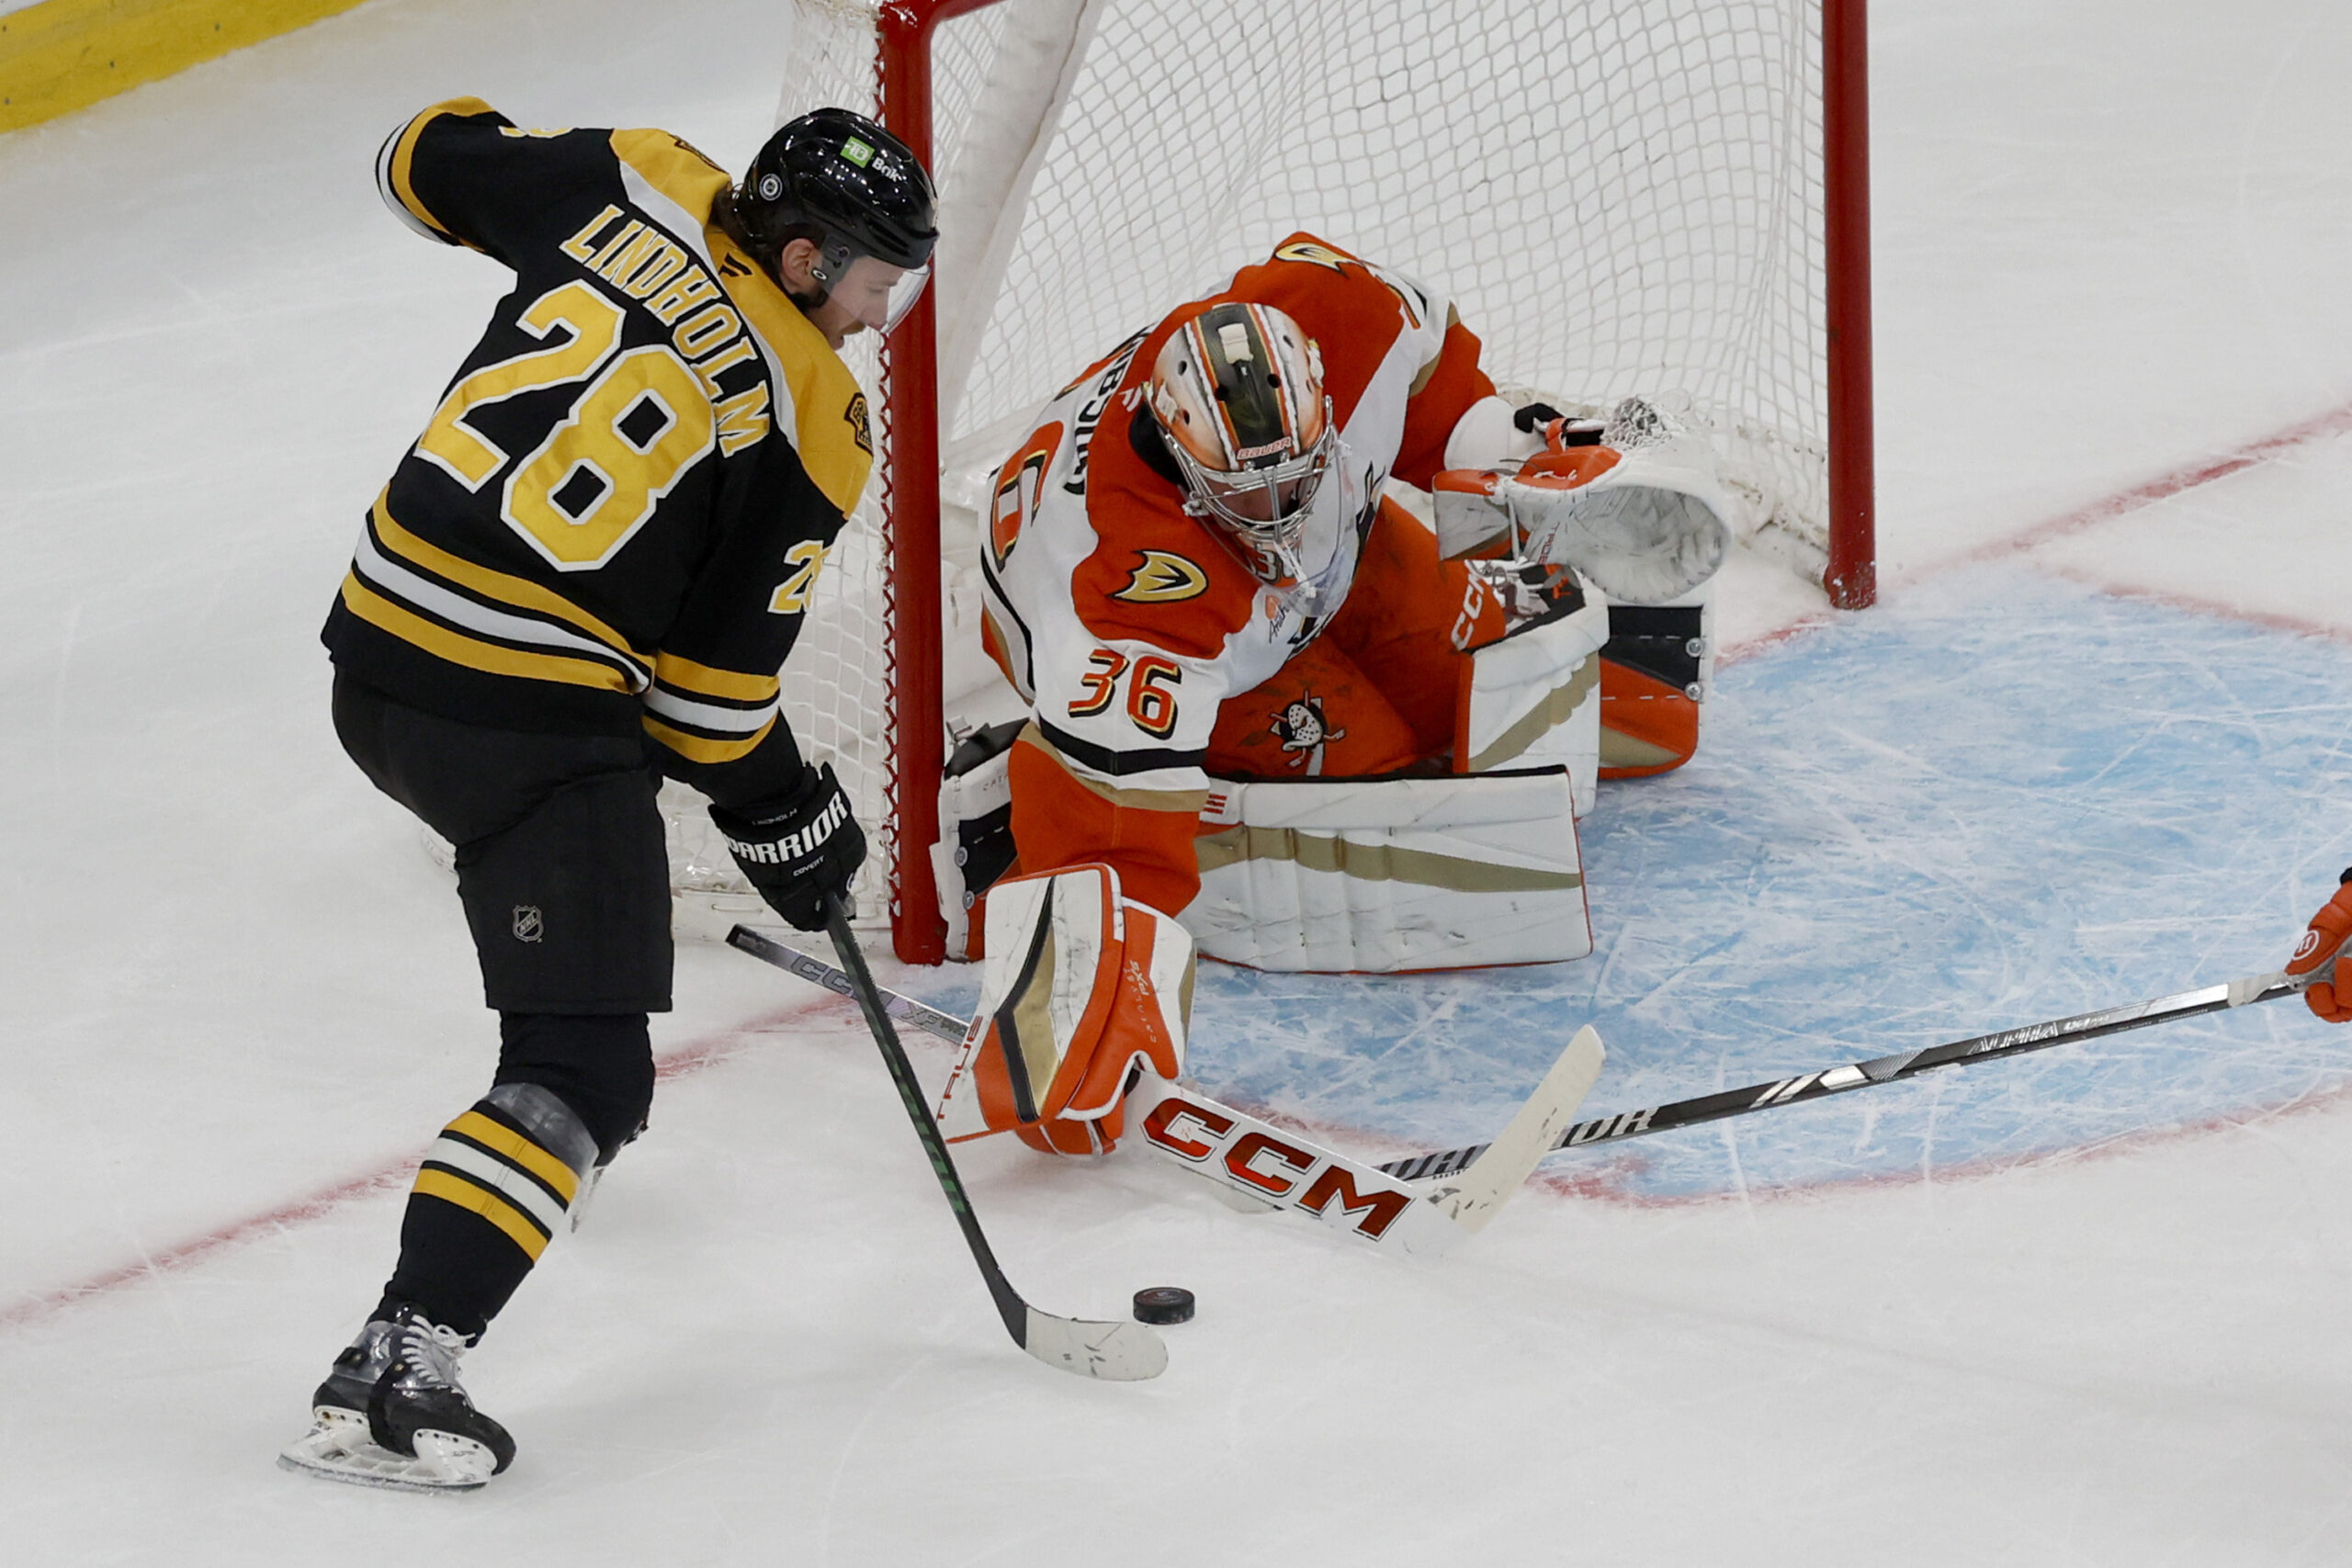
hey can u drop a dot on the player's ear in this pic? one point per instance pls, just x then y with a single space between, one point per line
796 265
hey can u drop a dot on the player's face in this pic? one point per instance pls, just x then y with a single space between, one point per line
871 294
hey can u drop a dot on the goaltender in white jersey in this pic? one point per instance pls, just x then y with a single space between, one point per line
1268 714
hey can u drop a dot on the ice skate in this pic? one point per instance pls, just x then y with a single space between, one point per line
391 1413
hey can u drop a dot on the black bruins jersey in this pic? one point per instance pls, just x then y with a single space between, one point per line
616 517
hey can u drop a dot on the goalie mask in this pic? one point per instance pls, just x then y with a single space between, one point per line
1237 392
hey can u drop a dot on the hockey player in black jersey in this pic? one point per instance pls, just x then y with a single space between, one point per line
585 576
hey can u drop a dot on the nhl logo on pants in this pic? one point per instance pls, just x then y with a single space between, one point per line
527 923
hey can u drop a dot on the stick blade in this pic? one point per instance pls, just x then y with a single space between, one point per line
1112 1352
1479 1193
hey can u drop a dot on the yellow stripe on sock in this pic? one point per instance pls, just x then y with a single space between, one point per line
512 1146
477 1200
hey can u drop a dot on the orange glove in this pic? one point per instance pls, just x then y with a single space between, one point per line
2331 997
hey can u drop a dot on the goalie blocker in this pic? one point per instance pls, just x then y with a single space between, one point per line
1081 991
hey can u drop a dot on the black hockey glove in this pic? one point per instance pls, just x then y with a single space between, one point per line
798 849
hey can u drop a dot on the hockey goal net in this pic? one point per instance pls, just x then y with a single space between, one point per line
1653 197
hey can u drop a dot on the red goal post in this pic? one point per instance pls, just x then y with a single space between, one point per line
1662 197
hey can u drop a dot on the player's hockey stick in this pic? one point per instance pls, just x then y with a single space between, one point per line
1885 1069
1257 1166
1119 1352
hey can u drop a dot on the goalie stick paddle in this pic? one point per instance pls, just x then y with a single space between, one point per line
1258 1166
1796 1090
1116 1352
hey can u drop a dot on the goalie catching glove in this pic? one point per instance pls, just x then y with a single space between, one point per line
1635 507
796 850
2331 998
1082 990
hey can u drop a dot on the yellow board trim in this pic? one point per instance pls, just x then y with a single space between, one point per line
672 669
489 657
516 1150
519 592
480 1200
64 56
696 749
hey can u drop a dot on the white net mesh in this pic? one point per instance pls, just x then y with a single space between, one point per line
1622 197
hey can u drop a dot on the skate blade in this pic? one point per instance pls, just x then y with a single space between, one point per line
340 1449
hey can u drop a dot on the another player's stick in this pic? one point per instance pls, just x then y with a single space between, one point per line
1795 1091
1119 1352
1887 1069
1258 1166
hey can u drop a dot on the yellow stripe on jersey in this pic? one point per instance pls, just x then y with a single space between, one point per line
519 592
514 1147
671 166
480 1200
685 675
405 155
698 748
835 445
473 653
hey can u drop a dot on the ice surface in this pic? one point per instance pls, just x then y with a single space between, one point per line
1919 1324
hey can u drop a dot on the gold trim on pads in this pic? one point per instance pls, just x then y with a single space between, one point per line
62 55
1548 714
1374 861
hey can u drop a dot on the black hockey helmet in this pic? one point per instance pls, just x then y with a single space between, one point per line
836 179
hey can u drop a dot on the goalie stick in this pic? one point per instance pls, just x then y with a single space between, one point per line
1117 1352
1257 1166
1796 1090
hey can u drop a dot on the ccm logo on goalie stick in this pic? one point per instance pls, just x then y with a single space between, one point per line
1268 1167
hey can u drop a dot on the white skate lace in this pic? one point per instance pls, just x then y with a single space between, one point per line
431 1352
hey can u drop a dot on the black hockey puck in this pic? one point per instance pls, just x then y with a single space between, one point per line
1164 1304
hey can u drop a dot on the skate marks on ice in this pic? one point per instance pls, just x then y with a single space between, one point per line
1998 800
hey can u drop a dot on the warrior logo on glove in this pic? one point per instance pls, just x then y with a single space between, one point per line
796 850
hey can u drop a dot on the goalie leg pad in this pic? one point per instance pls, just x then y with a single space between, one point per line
1081 989
1534 701
1392 874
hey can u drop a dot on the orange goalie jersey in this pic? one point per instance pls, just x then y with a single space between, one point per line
1152 656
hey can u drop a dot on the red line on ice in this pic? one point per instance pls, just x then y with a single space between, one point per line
689 1058
2188 476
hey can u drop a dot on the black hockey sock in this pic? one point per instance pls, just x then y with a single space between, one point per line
600 1064
494 1191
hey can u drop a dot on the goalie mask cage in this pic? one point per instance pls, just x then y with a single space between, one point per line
1666 197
